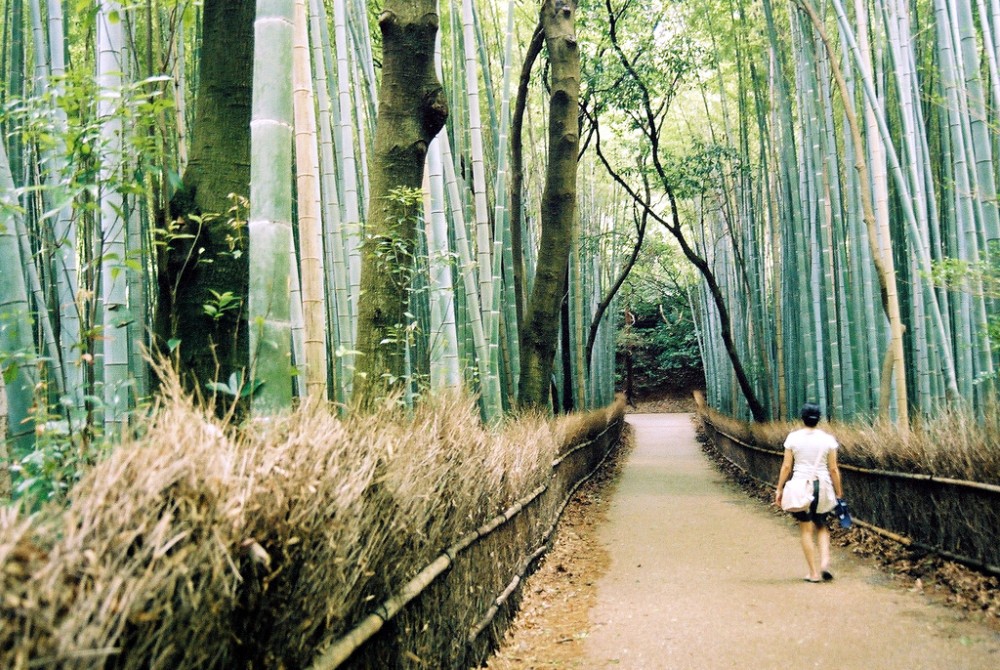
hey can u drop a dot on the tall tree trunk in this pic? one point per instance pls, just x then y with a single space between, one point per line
541 321
411 110
190 268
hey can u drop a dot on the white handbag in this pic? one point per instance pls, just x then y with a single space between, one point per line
797 494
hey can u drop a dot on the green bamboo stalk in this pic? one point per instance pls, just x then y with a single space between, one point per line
297 324
906 201
39 42
352 215
808 243
114 301
974 181
832 219
483 233
48 62
880 237
178 90
337 279
365 129
16 343
270 227
443 346
887 278
357 15
915 166
503 256
489 384
982 152
984 178
444 360
64 231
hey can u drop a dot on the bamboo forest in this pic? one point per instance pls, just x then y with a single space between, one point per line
308 300
343 200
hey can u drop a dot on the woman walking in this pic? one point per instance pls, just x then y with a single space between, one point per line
811 453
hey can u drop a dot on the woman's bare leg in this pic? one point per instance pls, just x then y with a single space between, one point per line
823 535
809 548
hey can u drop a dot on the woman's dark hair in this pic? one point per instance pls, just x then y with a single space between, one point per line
810 414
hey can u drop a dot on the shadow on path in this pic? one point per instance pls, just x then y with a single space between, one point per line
701 579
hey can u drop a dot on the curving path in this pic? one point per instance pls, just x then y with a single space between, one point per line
702 577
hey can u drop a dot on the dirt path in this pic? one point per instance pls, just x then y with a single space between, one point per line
700 576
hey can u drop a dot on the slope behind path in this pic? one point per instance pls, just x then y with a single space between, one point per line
703 577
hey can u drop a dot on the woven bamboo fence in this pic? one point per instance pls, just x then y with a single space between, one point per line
477 580
954 518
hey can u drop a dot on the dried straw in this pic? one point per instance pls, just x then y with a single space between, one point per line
199 545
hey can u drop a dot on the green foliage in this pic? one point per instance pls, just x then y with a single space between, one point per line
664 349
64 448
655 36
976 278
63 119
47 472
979 279
61 127
703 167
394 252
235 387
220 304
395 258
658 332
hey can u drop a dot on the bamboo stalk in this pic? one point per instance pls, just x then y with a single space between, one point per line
918 240
310 224
443 332
269 226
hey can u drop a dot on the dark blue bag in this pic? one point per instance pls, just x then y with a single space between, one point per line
843 514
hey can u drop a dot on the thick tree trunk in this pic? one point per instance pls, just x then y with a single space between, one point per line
411 111
541 322
214 257
517 168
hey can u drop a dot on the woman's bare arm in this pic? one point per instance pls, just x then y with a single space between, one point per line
831 463
786 471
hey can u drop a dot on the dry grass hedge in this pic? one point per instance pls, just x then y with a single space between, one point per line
953 444
198 545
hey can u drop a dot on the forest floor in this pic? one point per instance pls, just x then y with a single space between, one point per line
662 562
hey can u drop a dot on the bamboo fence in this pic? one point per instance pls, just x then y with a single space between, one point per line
954 518
570 470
